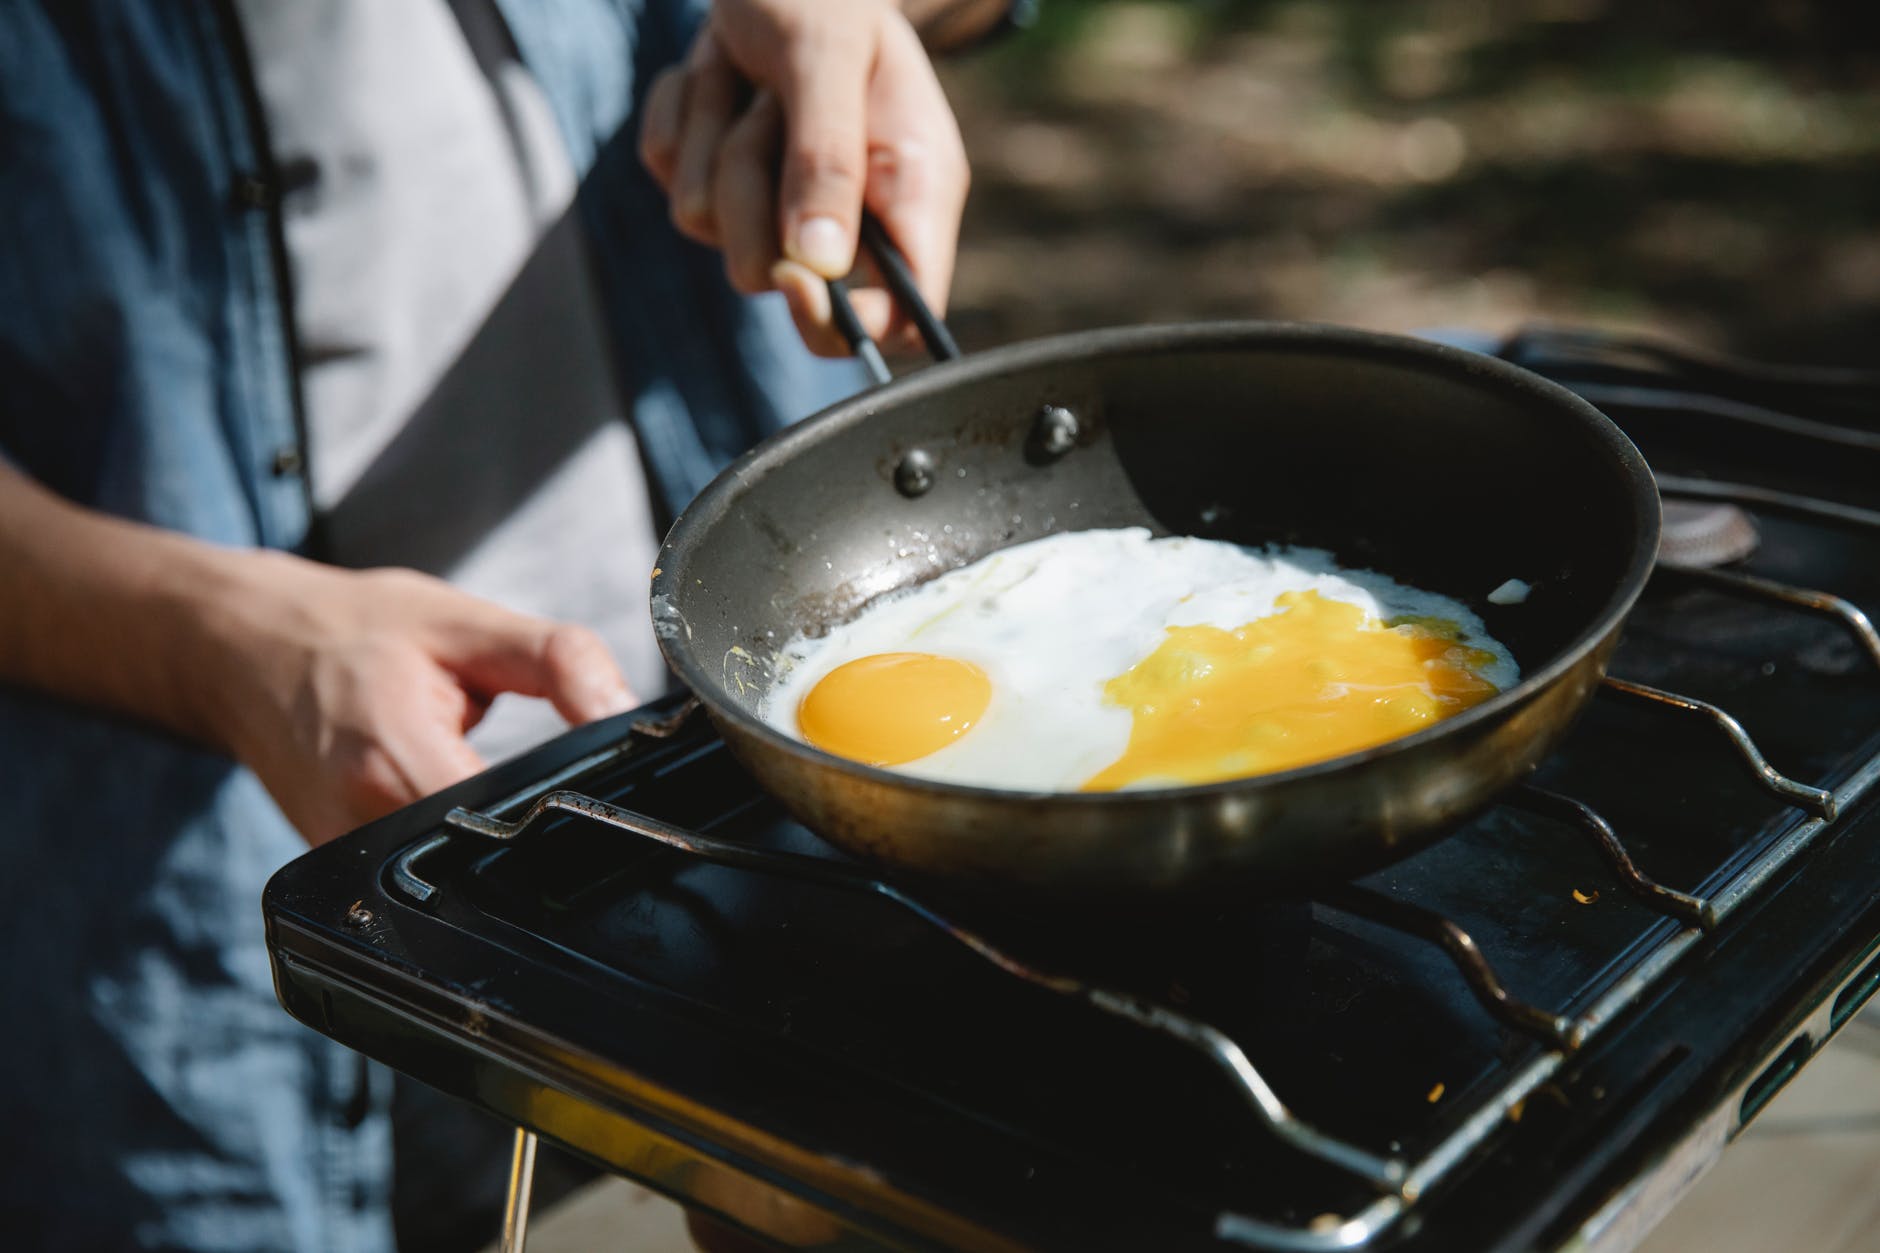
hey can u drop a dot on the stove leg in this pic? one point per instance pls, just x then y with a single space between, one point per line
521 1182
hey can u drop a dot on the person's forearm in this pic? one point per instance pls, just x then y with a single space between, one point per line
100 611
948 24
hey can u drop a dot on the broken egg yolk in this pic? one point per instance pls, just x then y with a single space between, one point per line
891 708
1311 683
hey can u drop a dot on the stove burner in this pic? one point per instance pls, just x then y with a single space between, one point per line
1705 535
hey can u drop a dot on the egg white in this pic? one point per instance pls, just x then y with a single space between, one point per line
1052 621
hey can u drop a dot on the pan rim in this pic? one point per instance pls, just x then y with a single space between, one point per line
1472 367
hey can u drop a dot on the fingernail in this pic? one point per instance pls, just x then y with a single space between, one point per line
605 697
694 207
823 246
615 699
800 287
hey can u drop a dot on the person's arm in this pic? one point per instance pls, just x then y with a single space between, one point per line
785 119
347 692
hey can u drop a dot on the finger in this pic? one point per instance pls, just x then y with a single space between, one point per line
711 103
411 762
430 758
917 170
824 92
582 678
807 294
475 705
659 125
493 650
448 702
744 202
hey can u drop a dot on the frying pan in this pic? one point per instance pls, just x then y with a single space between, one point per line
1443 469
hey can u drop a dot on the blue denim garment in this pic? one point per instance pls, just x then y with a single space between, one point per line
155 1095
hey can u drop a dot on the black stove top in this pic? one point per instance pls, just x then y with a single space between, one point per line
1540 1026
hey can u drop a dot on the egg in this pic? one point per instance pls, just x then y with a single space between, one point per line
1099 660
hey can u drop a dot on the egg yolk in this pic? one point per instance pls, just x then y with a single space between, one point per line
893 707
1306 685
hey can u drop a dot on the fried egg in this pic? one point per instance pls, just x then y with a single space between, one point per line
1099 660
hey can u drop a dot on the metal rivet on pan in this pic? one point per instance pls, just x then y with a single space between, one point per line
915 475
1054 433
359 915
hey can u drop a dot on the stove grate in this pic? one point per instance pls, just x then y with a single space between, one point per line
1688 909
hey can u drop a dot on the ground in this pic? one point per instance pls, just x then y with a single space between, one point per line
1707 171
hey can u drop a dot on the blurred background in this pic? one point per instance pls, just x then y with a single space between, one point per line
1709 171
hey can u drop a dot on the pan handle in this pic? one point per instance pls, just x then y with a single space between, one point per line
900 281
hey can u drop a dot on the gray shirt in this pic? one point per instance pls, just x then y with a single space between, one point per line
462 415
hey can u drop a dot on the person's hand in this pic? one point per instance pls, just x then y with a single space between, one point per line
785 119
349 692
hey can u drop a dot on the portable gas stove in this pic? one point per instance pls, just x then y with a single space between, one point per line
1535 1033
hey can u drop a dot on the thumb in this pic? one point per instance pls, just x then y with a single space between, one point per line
498 651
825 153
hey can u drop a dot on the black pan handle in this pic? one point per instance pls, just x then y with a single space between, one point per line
842 313
900 281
